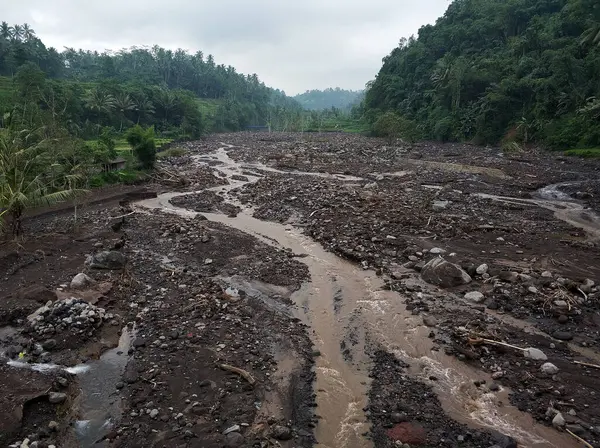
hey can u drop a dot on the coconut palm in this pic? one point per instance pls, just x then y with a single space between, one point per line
29 177
143 106
99 101
123 104
17 32
5 31
592 35
28 32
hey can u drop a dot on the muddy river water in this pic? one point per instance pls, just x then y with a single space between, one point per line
347 312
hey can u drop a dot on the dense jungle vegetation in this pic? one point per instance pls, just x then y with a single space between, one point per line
329 98
497 70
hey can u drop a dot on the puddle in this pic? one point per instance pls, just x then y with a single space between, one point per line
100 403
564 207
344 306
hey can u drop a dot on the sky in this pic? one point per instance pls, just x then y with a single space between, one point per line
291 45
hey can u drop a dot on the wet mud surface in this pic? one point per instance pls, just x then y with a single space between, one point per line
312 290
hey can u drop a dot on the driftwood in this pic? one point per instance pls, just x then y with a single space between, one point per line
587 364
240 372
580 439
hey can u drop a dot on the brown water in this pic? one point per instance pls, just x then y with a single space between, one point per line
345 307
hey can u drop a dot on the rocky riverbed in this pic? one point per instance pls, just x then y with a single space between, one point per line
293 290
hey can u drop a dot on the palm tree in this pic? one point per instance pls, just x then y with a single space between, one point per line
99 101
143 106
592 35
17 32
28 32
166 102
5 31
123 104
28 176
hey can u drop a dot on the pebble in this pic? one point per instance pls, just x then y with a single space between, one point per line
535 354
153 413
234 428
57 397
234 439
562 335
497 375
475 296
280 432
430 321
547 274
562 319
549 369
532 289
482 269
558 421
437 251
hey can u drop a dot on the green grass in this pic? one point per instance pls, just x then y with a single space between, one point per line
122 145
342 125
590 153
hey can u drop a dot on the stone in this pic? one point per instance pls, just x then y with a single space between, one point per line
53 426
535 354
508 276
547 274
57 397
475 296
442 273
558 421
111 260
437 251
532 290
280 432
398 417
562 335
430 321
139 342
549 369
440 205
154 413
81 281
561 304
497 375
482 269
494 387
234 428
587 286
234 439
562 319
49 344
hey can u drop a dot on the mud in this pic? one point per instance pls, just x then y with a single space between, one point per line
273 284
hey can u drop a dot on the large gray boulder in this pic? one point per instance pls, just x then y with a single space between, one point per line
442 273
107 260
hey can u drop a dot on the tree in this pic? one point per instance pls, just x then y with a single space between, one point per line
123 104
17 32
29 176
28 32
143 145
5 31
143 107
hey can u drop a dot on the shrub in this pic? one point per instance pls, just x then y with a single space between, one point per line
143 144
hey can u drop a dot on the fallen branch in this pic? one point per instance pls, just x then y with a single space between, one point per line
583 293
492 342
587 364
580 439
241 372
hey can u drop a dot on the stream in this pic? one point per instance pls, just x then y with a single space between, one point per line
347 310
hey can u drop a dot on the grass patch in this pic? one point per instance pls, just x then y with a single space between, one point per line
127 177
590 153
171 152
122 145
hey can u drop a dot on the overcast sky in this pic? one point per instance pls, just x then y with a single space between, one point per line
293 45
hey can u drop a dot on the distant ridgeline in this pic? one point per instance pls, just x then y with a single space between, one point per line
328 98
492 70
150 86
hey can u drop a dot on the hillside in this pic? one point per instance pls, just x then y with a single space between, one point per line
494 69
328 98
150 86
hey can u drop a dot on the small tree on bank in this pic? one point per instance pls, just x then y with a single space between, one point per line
143 145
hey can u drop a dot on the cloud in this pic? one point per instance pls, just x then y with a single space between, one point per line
291 45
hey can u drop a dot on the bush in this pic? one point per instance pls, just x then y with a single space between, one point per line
143 144
172 152
392 126
592 153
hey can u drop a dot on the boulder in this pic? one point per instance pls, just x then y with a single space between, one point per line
442 273
107 260
475 296
81 281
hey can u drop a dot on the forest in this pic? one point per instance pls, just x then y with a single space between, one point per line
328 98
493 71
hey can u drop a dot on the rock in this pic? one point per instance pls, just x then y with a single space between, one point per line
234 428
494 387
508 276
154 413
562 319
549 369
587 286
558 421
234 439
440 205
576 429
430 321
562 335
280 432
525 278
561 304
535 354
442 273
49 344
57 397
53 426
81 281
547 274
398 417
532 290
139 342
475 296
111 260
482 269
437 251
497 375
